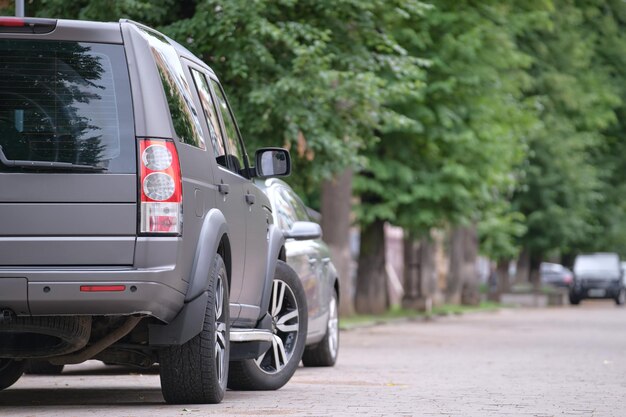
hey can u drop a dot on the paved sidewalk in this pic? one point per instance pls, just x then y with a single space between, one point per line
550 362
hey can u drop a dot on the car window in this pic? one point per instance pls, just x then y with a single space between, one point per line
289 208
600 263
68 102
231 136
208 106
177 91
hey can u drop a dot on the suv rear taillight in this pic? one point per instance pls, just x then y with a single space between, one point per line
26 25
161 209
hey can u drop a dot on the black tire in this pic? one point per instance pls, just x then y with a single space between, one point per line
620 298
44 336
289 313
325 352
574 299
34 367
196 372
10 371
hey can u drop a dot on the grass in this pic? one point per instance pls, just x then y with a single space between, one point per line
398 313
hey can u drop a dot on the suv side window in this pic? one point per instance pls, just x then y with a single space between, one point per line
208 106
182 110
231 135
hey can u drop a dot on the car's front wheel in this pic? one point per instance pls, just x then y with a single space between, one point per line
325 352
10 371
276 366
620 298
196 372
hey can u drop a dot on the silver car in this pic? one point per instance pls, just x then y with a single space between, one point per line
311 260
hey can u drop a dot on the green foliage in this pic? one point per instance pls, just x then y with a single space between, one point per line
305 74
454 154
575 103
151 12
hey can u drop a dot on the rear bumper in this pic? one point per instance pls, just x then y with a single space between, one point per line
58 292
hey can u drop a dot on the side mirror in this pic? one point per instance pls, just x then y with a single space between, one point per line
304 231
272 162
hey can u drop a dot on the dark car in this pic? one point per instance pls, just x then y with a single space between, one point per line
555 274
309 256
597 275
131 230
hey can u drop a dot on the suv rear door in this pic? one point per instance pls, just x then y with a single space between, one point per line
68 168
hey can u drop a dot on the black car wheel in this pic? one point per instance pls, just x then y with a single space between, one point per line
325 352
10 371
196 372
276 366
620 298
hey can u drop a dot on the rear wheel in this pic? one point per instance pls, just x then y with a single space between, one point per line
10 371
325 352
288 310
196 372
43 368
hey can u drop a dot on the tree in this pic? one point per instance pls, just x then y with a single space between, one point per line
452 154
575 102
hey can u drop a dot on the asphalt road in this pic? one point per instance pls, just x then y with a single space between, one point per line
551 362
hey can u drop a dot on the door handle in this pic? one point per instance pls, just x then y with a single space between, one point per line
223 188
250 199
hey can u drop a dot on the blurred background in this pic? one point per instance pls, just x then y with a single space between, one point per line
450 147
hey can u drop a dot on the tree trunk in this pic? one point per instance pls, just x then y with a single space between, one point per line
535 261
412 278
455 272
371 284
336 210
462 285
420 282
522 274
503 282
470 293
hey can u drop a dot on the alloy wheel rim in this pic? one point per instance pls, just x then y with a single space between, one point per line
220 330
285 327
333 327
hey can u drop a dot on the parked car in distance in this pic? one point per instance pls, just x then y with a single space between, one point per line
131 230
311 260
555 274
598 275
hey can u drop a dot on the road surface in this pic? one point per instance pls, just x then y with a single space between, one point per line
567 361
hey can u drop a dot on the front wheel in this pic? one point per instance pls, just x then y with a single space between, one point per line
325 352
288 310
10 371
574 298
196 372
620 298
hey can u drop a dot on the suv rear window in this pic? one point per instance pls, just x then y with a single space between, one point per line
66 102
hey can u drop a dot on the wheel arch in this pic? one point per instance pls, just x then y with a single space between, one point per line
189 321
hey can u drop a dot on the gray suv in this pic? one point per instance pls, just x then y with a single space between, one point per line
131 230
